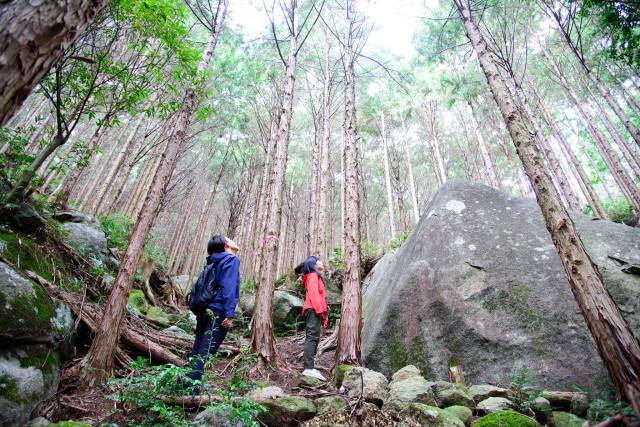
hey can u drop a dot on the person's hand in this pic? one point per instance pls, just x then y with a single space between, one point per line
325 320
227 323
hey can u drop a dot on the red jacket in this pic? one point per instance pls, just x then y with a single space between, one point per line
315 298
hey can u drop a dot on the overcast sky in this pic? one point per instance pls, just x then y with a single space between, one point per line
394 21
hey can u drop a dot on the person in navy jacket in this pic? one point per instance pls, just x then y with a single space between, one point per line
212 326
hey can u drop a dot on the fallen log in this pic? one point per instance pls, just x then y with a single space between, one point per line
190 401
91 314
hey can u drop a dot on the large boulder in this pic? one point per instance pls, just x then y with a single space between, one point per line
479 282
404 390
286 306
84 234
35 332
370 385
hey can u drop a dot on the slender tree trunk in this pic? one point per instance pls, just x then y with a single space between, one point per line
348 350
33 36
99 360
262 326
556 168
616 344
109 180
484 151
325 147
412 184
313 194
590 192
387 180
620 175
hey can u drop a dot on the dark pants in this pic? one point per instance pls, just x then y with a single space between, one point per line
209 336
312 330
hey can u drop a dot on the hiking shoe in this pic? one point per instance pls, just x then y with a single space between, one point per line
313 373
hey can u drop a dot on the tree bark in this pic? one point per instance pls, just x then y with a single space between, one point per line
325 147
484 151
620 175
33 36
387 180
616 344
99 360
556 168
348 350
262 326
590 192
412 184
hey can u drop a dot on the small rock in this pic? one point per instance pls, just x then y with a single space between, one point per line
340 373
406 372
411 389
485 391
137 302
329 404
176 332
306 381
27 219
462 413
449 394
565 419
370 384
156 313
494 404
505 418
287 411
430 416
540 404
38 422
264 393
218 417
579 404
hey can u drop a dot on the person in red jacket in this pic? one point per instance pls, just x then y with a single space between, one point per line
314 312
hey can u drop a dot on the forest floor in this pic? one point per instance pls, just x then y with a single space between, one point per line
98 405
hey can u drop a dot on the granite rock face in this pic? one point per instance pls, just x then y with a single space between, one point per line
478 283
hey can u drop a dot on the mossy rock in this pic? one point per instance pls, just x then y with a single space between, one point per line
430 416
330 404
28 375
158 315
288 411
340 373
565 419
27 313
450 394
505 419
137 302
460 412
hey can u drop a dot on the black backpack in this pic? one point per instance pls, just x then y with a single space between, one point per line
204 290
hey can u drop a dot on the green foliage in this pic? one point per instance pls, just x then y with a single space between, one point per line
600 410
398 240
523 394
336 260
505 419
619 210
16 160
620 21
137 395
369 249
117 227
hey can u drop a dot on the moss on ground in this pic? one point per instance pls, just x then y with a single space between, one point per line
26 254
505 419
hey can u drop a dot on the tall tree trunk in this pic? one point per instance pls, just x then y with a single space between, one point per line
262 326
99 360
412 184
620 175
33 36
484 150
108 181
387 180
315 184
616 344
604 91
325 148
590 192
348 350
556 168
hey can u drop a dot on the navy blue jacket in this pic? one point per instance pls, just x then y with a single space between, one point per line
228 277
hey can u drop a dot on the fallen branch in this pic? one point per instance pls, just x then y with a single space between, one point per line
190 401
91 314
613 421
